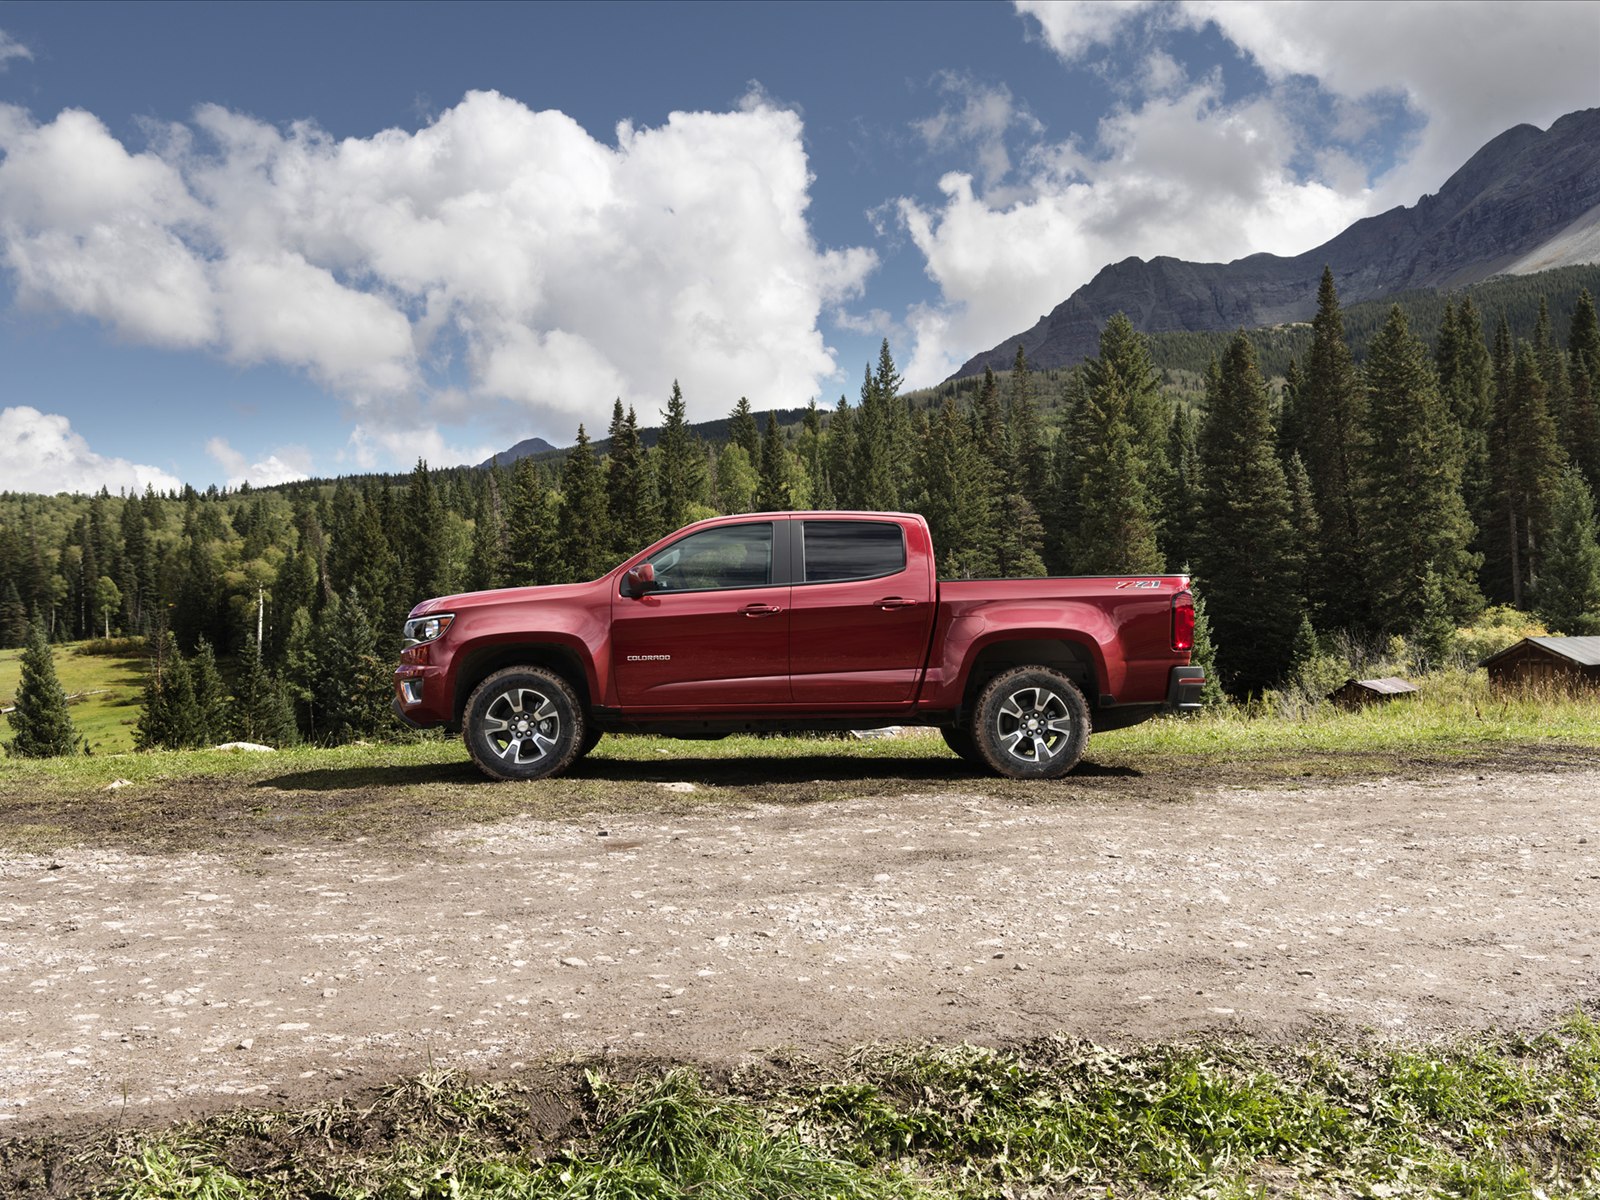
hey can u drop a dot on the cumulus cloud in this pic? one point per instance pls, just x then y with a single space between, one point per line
1469 70
499 263
1182 169
283 465
1074 27
39 452
1184 174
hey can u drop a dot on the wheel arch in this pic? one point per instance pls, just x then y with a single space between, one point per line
1074 659
479 662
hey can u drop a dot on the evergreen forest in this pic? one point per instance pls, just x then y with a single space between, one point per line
1315 481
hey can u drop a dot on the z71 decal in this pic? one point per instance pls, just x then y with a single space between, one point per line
1141 584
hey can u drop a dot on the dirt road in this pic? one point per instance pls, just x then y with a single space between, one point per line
146 984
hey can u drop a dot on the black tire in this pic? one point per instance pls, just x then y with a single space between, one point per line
960 740
591 739
523 723
1031 723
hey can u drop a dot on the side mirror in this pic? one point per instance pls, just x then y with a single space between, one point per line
639 580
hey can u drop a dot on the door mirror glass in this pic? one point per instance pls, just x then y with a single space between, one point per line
639 580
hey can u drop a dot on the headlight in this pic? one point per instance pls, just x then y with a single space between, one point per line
426 629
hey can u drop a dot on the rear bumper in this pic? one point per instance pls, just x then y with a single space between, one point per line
1184 687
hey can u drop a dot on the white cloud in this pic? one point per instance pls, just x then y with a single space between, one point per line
1183 170
500 263
283 465
1074 27
978 120
39 452
1470 70
1185 175
11 48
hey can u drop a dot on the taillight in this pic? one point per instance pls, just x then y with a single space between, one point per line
1183 621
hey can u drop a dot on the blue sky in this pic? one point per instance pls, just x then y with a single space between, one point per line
244 241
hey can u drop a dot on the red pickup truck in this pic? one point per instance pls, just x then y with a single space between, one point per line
798 620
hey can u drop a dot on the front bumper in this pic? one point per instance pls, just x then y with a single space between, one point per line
1184 687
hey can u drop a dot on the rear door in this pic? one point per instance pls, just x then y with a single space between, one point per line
713 633
863 613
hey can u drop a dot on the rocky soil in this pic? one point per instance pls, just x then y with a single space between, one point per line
141 985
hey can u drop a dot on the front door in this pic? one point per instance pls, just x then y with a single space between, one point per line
713 632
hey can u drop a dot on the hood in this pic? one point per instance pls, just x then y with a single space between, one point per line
517 595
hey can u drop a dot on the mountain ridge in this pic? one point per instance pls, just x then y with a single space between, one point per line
1528 199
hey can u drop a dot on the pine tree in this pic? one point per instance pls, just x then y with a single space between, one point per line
585 524
742 430
1331 410
1307 522
956 498
631 498
1433 630
840 454
1246 550
1291 417
1466 383
349 687
874 466
1584 447
1027 435
1116 533
681 478
1569 587
210 696
40 722
261 711
1525 461
1204 654
1583 339
533 530
1125 352
1182 502
424 568
1410 504
809 451
1553 370
486 566
13 617
169 719
773 490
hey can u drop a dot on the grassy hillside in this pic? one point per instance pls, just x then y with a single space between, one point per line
103 682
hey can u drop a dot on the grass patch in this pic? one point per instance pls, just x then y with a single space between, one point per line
105 684
1494 1116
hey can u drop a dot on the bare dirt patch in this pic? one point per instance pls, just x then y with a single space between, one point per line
139 983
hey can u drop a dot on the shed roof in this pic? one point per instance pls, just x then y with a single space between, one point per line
1585 651
1388 685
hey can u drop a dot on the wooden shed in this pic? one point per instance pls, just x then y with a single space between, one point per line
1357 693
1552 662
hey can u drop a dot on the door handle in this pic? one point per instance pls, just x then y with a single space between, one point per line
897 602
760 610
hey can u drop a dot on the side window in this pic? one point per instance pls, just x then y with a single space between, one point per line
839 550
729 556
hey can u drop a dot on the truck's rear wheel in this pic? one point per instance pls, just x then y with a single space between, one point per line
1031 723
523 723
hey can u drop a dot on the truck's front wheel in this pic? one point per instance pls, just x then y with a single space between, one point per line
1031 723
523 723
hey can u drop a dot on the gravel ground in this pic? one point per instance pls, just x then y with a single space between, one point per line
151 985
